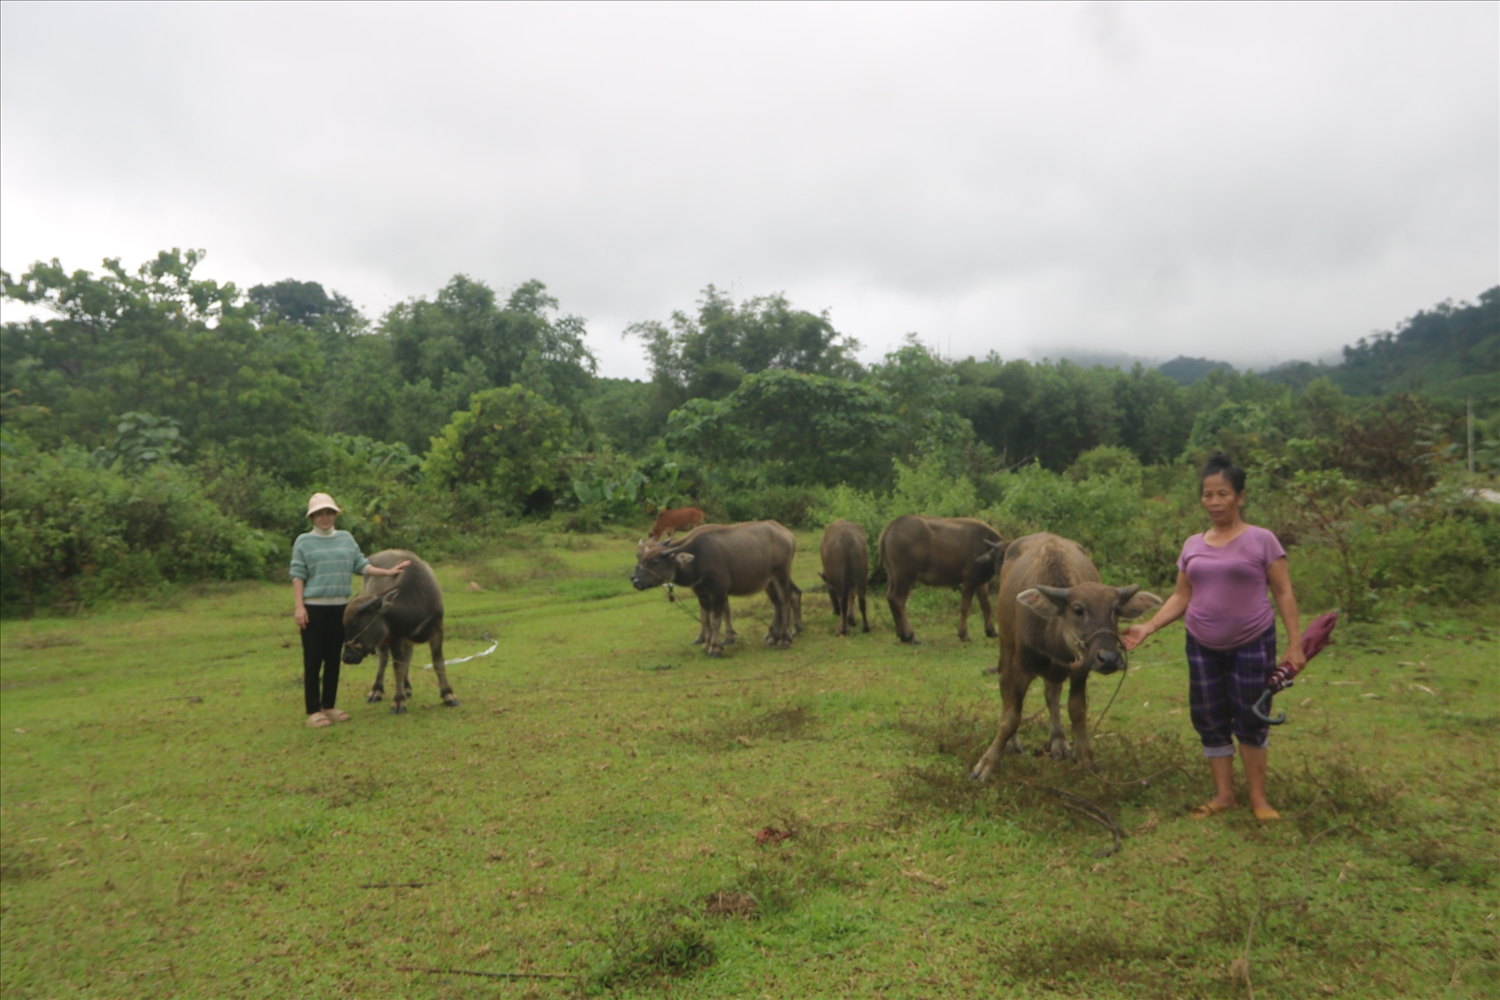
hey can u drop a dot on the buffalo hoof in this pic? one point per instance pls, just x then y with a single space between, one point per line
911 640
990 633
963 637
398 709
697 642
450 701
981 772
731 640
373 697
1063 752
714 655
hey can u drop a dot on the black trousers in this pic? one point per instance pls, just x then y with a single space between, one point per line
322 646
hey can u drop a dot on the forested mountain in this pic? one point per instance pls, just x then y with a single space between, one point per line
1185 370
1447 351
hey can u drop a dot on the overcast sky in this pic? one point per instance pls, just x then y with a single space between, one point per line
1250 182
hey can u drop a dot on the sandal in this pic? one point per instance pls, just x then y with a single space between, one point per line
1267 813
1208 809
336 714
318 721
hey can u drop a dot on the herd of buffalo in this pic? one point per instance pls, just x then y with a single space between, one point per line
1055 617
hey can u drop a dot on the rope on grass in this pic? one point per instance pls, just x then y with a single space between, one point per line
1301 900
489 975
1084 807
494 644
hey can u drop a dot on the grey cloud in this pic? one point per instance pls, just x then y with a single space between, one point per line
1223 180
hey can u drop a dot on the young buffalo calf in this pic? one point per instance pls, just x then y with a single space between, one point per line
1059 622
391 615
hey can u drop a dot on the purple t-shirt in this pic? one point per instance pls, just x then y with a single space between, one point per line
1229 606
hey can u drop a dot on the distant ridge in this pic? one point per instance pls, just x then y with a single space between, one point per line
1185 370
1447 351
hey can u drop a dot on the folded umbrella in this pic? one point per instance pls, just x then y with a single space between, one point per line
1314 638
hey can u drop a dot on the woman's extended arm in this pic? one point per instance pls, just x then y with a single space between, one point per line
1280 579
1168 613
377 571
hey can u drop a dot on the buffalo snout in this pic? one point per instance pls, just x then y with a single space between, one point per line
1108 661
352 655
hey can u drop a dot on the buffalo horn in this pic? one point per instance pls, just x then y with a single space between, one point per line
1056 593
1126 593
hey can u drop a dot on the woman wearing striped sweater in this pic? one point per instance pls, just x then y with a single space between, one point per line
323 560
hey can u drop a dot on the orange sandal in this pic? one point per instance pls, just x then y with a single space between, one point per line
1208 809
1267 814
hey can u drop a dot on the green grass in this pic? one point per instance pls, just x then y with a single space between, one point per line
592 809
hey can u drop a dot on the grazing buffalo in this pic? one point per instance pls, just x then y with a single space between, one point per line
940 552
846 564
731 560
391 615
1059 622
669 522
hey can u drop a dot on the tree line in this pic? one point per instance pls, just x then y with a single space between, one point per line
451 416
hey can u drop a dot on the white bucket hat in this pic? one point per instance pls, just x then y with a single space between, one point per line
322 501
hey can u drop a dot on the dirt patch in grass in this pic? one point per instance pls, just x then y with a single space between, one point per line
651 944
801 858
794 721
1067 960
48 640
1450 862
20 865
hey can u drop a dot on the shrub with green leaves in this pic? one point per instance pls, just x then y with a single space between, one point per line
508 442
74 533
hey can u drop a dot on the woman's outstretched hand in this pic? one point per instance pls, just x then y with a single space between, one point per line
1134 636
400 566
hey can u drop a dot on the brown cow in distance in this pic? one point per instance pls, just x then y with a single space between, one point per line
669 522
731 560
846 565
940 552
1059 622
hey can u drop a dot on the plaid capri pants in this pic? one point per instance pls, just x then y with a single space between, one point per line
1223 684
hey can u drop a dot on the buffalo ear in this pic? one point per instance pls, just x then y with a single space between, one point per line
1048 605
683 558
389 597
996 554
1134 603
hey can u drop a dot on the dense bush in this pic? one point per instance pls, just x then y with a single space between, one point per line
508 442
74 533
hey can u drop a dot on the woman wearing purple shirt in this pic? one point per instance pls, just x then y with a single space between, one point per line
1222 578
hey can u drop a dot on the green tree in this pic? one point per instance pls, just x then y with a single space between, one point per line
465 336
785 427
707 355
160 341
922 388
508 442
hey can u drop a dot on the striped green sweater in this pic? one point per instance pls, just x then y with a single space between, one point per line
326 563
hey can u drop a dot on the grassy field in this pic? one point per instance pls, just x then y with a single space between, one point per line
591 812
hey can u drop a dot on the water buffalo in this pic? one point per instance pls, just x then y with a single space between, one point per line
731 560
391 615
669 522
1059 622
846 564
940 552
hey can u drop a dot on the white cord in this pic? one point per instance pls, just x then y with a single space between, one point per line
494 644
